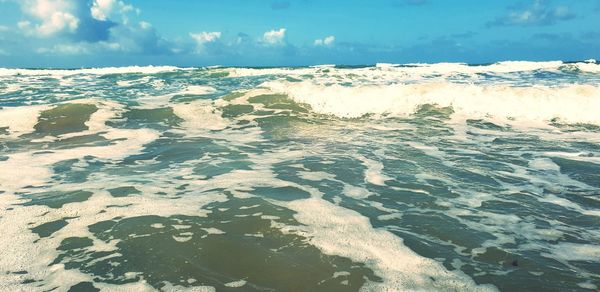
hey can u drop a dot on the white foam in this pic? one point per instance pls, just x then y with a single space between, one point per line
374 172
213 231
127 83
31 169
339 231
20 253
93 71
431 151
577 156
11 88
570 103
391 216
499 67
587 285
199 115
323 66
386 65
183 237
168 287
106 110
591 67
20 120
553 199
236 284
576 252
316 175
421 69
141 286
198 90
158 84
356 192
244 72
544 164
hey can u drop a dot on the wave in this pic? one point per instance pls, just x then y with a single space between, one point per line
569 103
93 71
590 66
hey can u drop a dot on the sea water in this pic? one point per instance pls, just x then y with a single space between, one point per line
448 177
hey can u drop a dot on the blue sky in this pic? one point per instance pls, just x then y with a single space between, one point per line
89 33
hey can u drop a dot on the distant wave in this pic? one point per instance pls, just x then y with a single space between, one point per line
441 68
96 71
437 68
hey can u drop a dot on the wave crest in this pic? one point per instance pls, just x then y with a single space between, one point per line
571 103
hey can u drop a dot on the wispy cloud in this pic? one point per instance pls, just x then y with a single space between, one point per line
327 41
536 12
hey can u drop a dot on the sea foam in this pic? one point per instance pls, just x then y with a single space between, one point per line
570 103
95 71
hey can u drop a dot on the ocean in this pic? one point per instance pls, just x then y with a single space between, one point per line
448 177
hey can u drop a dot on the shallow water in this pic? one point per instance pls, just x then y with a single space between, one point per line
416 177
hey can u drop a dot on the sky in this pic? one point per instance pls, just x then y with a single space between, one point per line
193 33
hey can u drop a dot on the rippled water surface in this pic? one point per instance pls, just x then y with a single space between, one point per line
387 178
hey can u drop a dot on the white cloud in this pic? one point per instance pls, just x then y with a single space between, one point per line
103 9
88 27
327 41
4 28
54 16
205 37
274 37
57 22
145 25
24 25
47 18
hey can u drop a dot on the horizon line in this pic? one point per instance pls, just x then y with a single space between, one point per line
591 60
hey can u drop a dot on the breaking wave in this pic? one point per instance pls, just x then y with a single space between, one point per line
569 103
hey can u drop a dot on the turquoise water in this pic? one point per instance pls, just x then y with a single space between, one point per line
378 178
